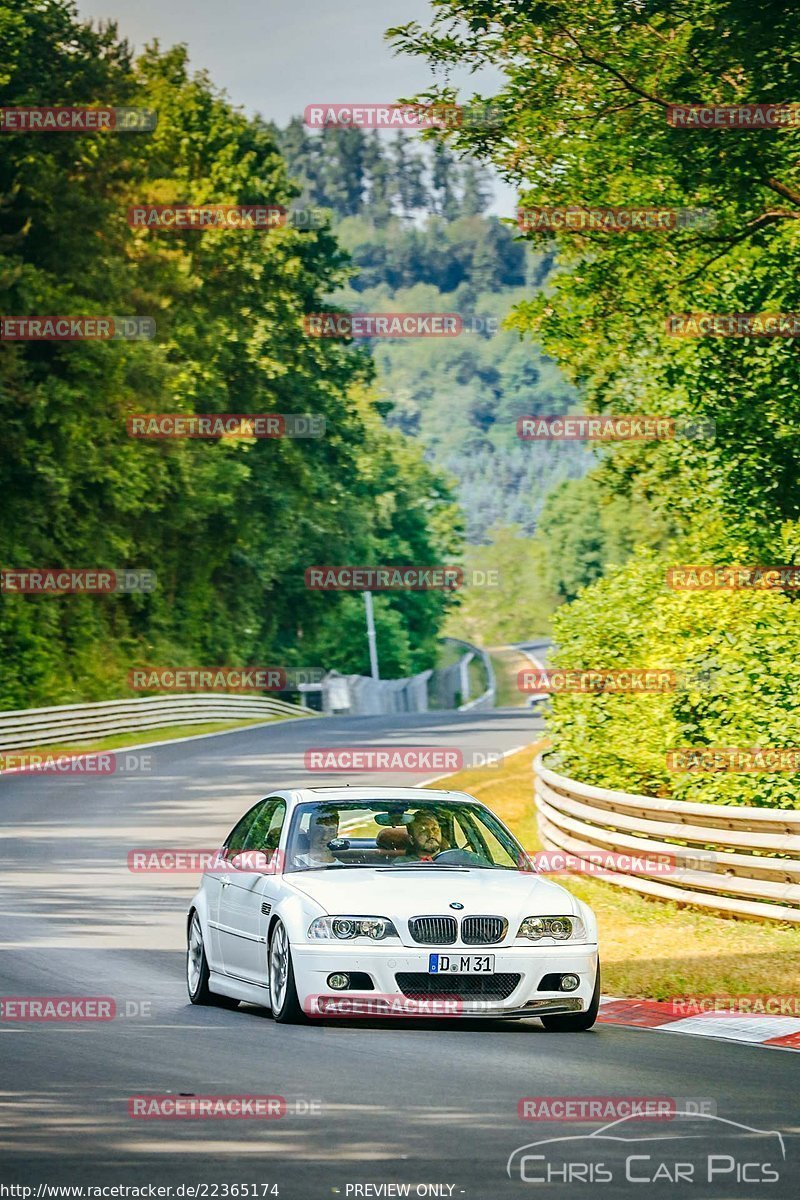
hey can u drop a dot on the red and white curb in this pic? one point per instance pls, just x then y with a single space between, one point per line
780 1033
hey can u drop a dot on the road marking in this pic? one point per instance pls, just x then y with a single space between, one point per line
505 754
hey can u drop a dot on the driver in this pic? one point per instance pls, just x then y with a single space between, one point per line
323 828
424 837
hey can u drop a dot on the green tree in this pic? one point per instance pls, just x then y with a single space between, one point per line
409 175
583 121
586 531
228 526
445 182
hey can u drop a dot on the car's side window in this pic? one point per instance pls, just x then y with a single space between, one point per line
236 839
264 833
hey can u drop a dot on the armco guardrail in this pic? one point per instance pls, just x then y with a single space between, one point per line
734 859
487 697
69 723
360 695
443 687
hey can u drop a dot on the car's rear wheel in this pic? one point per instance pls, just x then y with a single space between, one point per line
576 1022
197 971
282 990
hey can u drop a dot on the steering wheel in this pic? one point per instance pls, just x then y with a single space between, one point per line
460 858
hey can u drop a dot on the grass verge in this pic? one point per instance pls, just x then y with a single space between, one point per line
507 663
650 948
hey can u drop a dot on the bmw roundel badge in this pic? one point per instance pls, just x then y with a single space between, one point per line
455 904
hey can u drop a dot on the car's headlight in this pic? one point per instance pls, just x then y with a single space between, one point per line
562 929
347 928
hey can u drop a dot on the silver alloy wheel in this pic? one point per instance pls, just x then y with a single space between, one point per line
278 967
194 957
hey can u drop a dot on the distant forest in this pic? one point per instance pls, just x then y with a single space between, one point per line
413 219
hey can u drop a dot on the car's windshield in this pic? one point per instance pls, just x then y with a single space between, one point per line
399 835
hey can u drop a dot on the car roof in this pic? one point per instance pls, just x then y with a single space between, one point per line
345 792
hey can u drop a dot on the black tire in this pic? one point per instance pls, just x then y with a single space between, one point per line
197 972
576 1022
283 997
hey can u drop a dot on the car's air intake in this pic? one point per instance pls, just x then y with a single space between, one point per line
433 931
483 931
468 987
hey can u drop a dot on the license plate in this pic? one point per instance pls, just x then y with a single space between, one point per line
461 964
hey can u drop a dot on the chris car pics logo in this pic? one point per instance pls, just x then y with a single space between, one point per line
691 1148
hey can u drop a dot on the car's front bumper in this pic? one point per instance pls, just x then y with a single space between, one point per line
386 965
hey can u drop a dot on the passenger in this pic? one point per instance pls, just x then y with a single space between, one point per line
323 828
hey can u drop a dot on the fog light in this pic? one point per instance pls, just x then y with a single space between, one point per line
570 983
338 983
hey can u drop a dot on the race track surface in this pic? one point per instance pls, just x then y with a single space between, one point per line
423 1104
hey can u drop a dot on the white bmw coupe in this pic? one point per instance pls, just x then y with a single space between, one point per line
332 901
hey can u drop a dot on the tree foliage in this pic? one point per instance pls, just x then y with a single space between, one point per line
228 526
583 122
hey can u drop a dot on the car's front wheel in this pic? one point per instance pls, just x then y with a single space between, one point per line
197 972
576 1022
282 990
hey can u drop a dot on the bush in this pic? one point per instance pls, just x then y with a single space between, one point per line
740 651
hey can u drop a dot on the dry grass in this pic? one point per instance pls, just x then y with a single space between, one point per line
650 948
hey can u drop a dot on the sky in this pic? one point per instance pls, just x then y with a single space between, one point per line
276 56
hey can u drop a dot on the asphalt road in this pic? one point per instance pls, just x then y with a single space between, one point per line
422 1104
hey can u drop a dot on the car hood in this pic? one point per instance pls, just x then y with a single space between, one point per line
407 892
